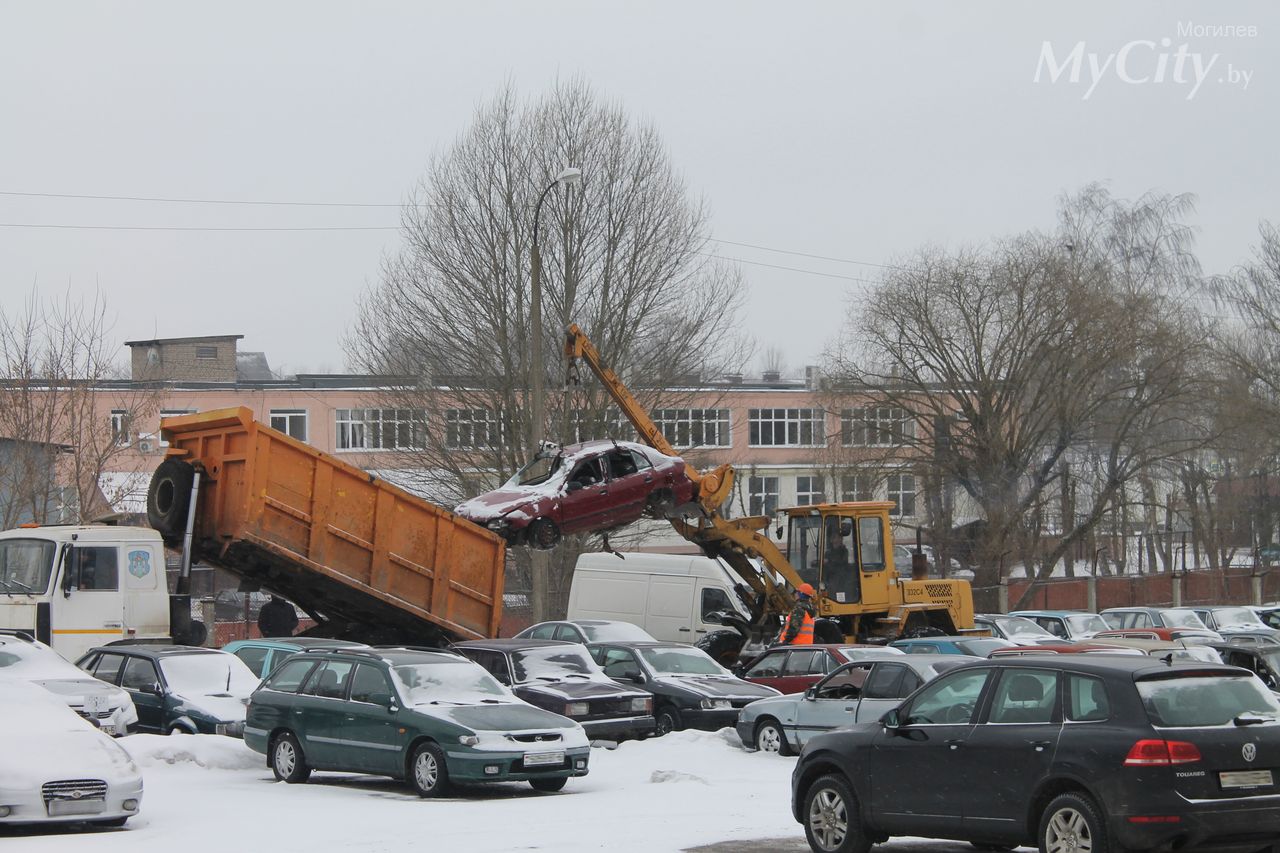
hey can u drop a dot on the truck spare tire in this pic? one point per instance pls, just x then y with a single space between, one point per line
169 496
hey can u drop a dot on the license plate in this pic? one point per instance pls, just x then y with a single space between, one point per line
65 807
542 759
1245 778
107 729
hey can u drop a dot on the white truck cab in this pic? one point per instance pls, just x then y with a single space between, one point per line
79 586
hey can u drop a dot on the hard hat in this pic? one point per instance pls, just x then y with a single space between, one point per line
805 589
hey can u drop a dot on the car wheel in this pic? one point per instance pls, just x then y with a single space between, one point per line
831 820
287 761
543 534
1072 822
771 738
427 771
549 786
667 720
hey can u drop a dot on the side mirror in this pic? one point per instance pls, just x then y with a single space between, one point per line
574 486
811 693
715 617
384 699
891 721
152 689
67 581
633 675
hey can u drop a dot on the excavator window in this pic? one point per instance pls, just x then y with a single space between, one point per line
871 544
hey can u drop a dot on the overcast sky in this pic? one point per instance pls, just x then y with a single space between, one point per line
854 131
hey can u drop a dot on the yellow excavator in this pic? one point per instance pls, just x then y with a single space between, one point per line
845 550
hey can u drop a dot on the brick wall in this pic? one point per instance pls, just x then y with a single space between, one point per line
179 360
1211 586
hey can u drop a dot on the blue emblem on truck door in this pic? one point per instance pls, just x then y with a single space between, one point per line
139 563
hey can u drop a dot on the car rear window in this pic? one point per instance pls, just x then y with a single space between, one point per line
1205 700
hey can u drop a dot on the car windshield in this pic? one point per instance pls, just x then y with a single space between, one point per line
27 660
537 470
424 683
615 632
674 660
1200 653
25 565
1019 626
1181 619
554 663
208 674
1199 700
1230 617
1086 623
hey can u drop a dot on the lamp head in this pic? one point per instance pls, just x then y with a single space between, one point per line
569 177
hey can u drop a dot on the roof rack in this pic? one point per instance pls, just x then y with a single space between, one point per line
18 633
324 650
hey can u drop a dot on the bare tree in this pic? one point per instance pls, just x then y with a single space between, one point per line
1038 355
56 366
625 255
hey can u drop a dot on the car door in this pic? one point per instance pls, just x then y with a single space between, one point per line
920 769
802 669
883 690
91 605
320 715
831 703
1012 747
768 671
371 732
628 486
586 503
140 679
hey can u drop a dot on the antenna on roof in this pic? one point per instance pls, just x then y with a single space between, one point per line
1168 659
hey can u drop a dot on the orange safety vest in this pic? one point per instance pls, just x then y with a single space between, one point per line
805 635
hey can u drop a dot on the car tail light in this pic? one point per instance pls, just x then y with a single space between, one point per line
1161 753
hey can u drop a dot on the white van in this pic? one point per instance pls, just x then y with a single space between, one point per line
669 595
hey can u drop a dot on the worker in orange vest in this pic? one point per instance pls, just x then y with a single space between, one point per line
798 630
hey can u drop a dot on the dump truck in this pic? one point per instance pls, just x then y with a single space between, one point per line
365 559
844 550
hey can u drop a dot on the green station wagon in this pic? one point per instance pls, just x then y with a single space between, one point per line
430 718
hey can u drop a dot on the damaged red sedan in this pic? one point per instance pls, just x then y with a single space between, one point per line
583 488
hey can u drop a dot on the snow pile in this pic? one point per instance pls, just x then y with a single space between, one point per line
215 752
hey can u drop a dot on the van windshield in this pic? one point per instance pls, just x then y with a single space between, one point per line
26 565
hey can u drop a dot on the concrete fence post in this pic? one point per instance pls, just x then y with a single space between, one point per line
1091 590
1002 596
1177 589
1256 591
208 615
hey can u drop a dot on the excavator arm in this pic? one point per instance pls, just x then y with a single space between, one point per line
736 541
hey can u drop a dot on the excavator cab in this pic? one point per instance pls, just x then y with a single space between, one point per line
841 550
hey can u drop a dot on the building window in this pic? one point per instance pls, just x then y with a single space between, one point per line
119 427
592 425
809 490
467 429
786 427
876 426
381 429
206 352
762 495
173 413
291 422
902 491
857 487
687 428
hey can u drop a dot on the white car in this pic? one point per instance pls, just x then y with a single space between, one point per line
57 767
109 707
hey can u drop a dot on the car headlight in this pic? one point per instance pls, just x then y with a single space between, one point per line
468 740
643 706
235 729
716 704
498 524
576 709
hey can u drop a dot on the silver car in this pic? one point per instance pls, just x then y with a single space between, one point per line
854 693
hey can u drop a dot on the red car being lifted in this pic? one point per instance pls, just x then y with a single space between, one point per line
583 488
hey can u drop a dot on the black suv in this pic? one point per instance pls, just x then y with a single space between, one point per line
1068 752
562 678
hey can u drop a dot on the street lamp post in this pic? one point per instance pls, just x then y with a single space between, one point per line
539 561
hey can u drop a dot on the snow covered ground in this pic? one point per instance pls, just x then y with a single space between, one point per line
210 793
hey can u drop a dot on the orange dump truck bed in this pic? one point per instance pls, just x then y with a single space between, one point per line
367 559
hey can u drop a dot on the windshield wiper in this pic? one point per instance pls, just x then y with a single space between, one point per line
1249 718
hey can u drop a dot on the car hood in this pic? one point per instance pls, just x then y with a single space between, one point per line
579 689
718 687
495 504
222 707
498 717
776 705
78 690
63 752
